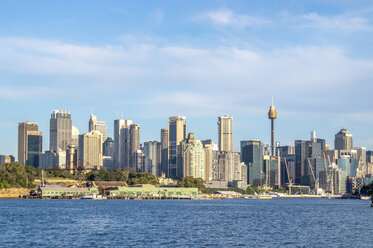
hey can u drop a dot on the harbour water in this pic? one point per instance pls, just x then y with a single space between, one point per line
186 223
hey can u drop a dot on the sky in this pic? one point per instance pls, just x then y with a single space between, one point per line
148 60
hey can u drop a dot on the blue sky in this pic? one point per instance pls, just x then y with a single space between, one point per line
148 60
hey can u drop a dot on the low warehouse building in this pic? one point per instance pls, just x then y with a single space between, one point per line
152 191
59 191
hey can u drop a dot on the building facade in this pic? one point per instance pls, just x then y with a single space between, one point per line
23 129
90 151
60 135
121 142
152 157
95 125
191 158
6 159
108 147
134 145
343 140
252 156
176 134
225 133
34 147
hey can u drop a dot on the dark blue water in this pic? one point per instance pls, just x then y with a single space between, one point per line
215 223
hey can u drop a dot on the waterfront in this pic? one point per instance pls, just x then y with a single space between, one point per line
223 223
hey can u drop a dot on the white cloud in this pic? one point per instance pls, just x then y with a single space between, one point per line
338 22
226 17
315 79
32 93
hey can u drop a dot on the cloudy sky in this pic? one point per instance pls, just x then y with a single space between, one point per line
148 60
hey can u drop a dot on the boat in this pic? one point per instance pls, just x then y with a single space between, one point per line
365 197
85 197
263 197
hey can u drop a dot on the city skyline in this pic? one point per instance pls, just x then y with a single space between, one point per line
153 60
141 141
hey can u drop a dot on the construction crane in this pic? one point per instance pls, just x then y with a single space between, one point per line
314 177
290 180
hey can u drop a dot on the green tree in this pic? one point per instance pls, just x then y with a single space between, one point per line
16 175
191 182
142 178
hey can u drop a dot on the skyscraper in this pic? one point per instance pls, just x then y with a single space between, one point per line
134 143
287 168
90 151
164 151
75 136
252 156
95 125
209 148
23 128
343 140
121 142
225 133
33 147
138 161
60 130
309 160
191 158
152 153
108 147
177 133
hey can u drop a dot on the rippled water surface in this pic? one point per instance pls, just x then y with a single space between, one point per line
183 223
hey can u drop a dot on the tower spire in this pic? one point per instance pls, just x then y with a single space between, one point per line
272 115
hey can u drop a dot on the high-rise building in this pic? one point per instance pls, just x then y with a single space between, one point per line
252 156
343 140
34 147
60 130
90 151
361 155
271 169
6 159
75 136
348 165
48 159
53 159
369 155
309 160
301 155
121 142
95 125
23 128
209 148
152 156
287 167
138 161
176 134
225 133
191 158
234 167
134 143
108 147
226 169
164 151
